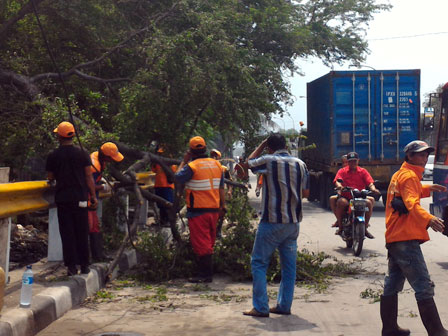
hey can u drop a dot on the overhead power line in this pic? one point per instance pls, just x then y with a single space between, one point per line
407 36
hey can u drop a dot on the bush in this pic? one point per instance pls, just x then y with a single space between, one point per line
113 208
233 254
233 251
162 261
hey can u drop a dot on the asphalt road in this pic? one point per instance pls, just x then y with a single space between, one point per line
338 311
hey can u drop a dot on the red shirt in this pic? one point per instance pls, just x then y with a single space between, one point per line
358 179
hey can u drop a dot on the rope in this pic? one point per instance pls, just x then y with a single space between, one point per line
61 79
50 53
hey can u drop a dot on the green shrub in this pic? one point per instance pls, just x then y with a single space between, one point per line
161 261
113 209
233 254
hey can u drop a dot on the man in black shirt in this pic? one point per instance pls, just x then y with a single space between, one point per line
70 167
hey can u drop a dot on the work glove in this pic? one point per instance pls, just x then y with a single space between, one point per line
106 186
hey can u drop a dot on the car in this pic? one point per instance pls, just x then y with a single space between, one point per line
427 174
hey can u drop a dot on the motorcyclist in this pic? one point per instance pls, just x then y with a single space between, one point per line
355 177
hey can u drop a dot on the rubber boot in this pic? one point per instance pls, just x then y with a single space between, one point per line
430 318
205 270
389 313
208 267
96 246
201 272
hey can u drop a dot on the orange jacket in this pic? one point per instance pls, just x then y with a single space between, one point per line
412 226
203 188
96 168
161 181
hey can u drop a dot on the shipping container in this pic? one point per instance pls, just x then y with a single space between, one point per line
359 111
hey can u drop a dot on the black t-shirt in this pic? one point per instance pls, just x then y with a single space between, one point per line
68 163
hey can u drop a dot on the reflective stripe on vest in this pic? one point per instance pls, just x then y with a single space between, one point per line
203 188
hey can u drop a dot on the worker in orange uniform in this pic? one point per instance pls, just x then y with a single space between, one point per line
204 186
108 152
407 224
163 188
259 184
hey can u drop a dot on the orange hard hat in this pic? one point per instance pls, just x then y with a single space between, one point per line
197 142
111 150
65 130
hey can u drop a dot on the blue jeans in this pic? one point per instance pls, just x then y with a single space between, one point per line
406 262
269 237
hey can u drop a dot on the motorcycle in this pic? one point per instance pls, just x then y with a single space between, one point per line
354 223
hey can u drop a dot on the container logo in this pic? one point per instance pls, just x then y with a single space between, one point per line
28 281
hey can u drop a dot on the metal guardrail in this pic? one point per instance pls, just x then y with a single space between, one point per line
24 197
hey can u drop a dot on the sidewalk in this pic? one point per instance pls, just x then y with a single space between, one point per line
51 299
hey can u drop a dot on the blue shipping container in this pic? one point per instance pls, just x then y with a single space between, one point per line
359 111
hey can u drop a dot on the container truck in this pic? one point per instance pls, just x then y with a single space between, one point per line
359 111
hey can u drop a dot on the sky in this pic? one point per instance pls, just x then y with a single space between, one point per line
412 35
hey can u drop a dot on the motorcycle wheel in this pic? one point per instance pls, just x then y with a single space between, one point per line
358 238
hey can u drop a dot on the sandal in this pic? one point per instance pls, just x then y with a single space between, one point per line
335 224
276 310
255 313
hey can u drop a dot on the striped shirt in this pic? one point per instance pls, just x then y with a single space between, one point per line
285 178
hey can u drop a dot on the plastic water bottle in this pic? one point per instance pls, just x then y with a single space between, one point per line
27 287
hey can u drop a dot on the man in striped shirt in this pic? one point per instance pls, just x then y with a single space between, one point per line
285 183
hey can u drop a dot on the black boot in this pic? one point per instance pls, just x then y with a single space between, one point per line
430 317
96 246
389 313
208 267
205 270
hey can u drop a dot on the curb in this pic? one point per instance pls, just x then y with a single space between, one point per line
53 302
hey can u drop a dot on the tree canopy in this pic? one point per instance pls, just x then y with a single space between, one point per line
161 70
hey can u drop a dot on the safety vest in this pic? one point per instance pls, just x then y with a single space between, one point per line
412 226
96 168
203 188
161 181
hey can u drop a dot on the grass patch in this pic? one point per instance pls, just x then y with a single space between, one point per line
103 295
374 295
159 296
223 298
